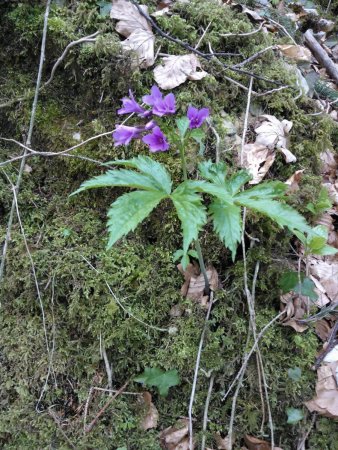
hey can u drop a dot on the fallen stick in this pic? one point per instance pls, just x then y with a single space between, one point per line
320 54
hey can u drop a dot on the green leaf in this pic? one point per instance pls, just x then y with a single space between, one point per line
185 261
267 190
182 125
227 223
190 211
178 254
157 377
238 180
323 202
105 8
289 280
129 210
213 172
307 288
149 167
295 373
294 415
326 250
215 190
282 214
193 254
123 178
316 242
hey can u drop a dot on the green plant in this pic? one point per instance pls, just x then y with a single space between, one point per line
156 377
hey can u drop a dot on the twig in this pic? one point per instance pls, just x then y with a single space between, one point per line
64 54
203 35
282 28
102 410
301 445
331 342
248 356
193 50
15 200
57 421
250 33
28 141
245 126
197 365
206 409
255 56
320 54
121 305
108 368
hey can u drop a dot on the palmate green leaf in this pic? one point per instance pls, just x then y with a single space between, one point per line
212 189
153 376
282 214
190 211
182 125
129 210
227 223
151 168
267 190
216 173
294 415
238 180
123 178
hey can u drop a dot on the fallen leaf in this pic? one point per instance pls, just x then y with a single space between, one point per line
293 181
332 356
273 133
326 400
323 329
176 437
175 70
297 53
257 159
193 287
325 269
223 443
257 444
132 25
151 414
27 168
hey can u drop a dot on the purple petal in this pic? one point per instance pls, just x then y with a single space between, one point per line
156 140
192 112
153 97
130 105
197 117
123 135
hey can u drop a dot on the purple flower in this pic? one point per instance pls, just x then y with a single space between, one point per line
161 106
197 117
123 135
156 141
150 125
130 105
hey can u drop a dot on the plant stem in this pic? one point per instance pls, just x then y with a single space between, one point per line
197 243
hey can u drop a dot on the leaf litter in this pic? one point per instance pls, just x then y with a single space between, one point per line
194 284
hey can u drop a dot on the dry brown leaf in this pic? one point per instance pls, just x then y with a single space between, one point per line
151 414
176 437
296 52
193 287
323 329
293 181
223 443
257 444
257 159
132 25
325 269
273 133
295 308
175 70
326 400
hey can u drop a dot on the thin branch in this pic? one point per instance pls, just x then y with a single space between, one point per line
197 365
102 410
206 409
255 56
250 33
282 28
245 126
196 51
28 141
203 35
56 419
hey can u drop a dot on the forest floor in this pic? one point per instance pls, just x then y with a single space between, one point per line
117 348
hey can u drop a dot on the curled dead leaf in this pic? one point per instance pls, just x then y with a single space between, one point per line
325 269
257 444
223 443
323 329
257 159
132 25
326 400
297 53
175 70
194 284
151 414
176 437
293 181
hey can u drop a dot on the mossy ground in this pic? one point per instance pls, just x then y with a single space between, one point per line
64 234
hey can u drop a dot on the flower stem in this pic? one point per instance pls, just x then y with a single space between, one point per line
197 242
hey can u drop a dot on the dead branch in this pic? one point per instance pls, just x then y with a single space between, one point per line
321 56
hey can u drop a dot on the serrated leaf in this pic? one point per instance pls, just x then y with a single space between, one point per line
198 135
123 178
306 288
289 280
216 190
182 125
213 172
185 261
157 377
294 415
326 250
190 211
267 190
238 180
149 167
129 210
295 373
227 224
193 254
177 255
282 214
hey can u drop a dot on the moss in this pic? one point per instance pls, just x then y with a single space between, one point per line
67 239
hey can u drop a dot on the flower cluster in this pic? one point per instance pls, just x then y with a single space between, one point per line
160 106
